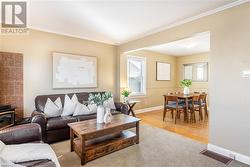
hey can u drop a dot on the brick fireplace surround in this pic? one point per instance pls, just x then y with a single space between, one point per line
11 81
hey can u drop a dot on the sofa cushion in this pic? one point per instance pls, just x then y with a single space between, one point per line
59 122
92 116
85 117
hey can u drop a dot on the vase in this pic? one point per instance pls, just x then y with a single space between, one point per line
125 99
186 90
100 114
108 116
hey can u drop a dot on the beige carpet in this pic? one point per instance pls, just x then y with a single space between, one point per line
157 148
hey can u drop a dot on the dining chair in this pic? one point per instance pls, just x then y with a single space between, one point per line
203 102
172 103
194 106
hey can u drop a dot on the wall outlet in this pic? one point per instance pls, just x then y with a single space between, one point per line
231 155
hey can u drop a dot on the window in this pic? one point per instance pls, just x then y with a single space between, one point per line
197 72
136 73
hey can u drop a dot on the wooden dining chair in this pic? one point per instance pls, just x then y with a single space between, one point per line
172 103
193 107
203 103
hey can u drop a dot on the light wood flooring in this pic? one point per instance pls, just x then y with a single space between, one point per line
197 131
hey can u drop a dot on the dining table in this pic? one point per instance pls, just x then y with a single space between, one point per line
185 97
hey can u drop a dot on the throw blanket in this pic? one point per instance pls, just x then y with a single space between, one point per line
28 152
5 162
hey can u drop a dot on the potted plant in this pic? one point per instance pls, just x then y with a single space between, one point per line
186 83
125 94
99 99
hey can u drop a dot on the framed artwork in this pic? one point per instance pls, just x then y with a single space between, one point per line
163 71
74 71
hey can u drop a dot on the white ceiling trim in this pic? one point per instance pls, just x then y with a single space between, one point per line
233 4
190 19
70 35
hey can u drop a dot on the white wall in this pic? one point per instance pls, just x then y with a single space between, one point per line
229 91
230 54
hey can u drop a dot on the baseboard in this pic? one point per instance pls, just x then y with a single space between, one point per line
231 154
148 109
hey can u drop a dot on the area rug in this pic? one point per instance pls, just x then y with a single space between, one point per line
157 148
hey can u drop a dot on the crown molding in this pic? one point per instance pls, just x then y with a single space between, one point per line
70 35
187 20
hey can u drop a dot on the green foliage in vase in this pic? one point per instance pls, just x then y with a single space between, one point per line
126 93
99 98
186 83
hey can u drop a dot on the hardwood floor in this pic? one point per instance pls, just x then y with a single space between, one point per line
197 131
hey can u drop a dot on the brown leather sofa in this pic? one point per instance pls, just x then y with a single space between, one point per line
56 129
28 133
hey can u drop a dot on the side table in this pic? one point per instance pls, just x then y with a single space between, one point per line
7 118
26 120
131 104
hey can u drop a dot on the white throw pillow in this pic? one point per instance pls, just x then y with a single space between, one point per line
58 102
2 145
53 109
28 152
109 103
75 99
92 108
69 106
81 109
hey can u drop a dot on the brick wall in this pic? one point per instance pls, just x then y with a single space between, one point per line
11 81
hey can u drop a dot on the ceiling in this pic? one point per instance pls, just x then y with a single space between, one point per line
114 22
199 43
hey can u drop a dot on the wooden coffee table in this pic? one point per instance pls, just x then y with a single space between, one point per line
91 140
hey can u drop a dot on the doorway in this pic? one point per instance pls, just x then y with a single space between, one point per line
188 59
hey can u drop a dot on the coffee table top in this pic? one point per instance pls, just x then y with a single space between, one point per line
90 126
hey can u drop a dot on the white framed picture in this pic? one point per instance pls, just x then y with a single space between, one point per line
163 71
74 71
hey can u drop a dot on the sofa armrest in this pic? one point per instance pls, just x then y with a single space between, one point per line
39 118
123 108
25 133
